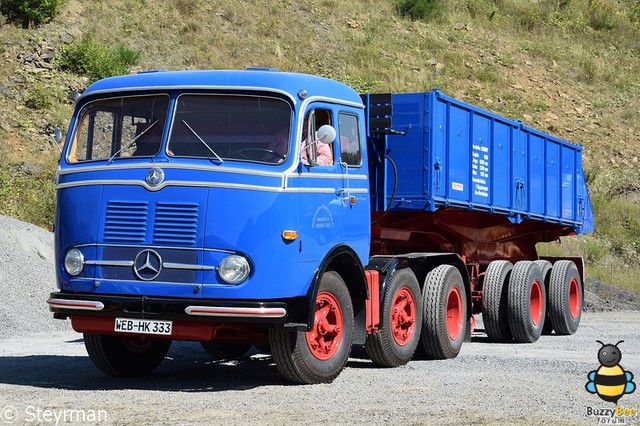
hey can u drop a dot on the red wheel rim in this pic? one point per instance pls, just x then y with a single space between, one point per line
326 333
535 302
574 298
403 316
454 313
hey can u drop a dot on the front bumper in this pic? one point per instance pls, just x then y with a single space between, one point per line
193 319
64 305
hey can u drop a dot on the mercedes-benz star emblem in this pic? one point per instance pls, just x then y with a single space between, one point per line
147 265
154 177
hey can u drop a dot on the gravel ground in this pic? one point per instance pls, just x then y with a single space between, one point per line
47 378
27 276
542 383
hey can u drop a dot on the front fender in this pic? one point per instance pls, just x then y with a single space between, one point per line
344 260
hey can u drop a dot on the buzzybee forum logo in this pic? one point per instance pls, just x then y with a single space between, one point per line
610 381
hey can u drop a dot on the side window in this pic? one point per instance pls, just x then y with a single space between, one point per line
350 150
314 152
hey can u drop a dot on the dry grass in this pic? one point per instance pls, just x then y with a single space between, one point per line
571 68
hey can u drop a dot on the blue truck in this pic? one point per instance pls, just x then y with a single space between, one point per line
288 212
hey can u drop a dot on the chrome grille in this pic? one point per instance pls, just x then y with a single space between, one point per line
126 273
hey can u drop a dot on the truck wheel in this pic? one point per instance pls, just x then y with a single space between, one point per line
527 302
225 350
565 297
397 339
444 313
545 266
125 355
320 354
495 312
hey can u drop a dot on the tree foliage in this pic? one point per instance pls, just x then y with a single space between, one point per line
30 12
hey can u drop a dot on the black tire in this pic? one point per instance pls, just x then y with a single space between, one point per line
566 297
527 302
401 321
125 355
225 350
295 358
495 310
443 288
545 266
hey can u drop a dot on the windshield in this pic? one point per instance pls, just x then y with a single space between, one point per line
116 128
221 128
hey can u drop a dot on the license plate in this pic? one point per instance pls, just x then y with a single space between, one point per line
141 326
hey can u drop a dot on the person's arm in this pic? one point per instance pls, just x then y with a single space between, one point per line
324 154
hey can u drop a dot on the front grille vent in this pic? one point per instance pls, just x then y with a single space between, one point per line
175 224
126 222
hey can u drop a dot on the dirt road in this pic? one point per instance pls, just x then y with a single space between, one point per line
47 379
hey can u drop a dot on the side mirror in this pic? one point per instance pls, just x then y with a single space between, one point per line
56 137
326 134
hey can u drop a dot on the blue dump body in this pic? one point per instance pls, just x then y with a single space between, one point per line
456 155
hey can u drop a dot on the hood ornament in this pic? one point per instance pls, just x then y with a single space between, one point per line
155 177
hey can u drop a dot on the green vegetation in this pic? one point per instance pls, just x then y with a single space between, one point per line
95 60
612 253
27 192
420 9
568 67
39 97
30 12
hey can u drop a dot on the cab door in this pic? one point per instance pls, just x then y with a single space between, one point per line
334 204
355 181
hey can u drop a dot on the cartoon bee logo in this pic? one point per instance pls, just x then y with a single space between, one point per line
610 381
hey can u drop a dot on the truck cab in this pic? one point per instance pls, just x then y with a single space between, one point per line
193 200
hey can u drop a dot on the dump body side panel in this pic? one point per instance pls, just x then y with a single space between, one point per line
457 155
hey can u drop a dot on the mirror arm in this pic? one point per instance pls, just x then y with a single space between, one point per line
56 137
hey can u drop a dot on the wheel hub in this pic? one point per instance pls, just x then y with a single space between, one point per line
325 335
454 313
535 303
574 298
403 317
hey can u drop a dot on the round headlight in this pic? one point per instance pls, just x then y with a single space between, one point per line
234 269
74 262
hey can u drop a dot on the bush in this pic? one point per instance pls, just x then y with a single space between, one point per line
634 10
618 221
480 8
30 12
601 15
88 57
39 97
593 248
420 9
530 16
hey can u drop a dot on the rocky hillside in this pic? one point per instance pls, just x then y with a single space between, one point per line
571 68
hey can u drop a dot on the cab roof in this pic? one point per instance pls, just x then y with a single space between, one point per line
250 79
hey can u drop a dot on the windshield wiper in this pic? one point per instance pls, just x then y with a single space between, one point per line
203 142
131 142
